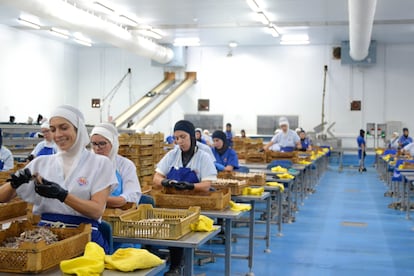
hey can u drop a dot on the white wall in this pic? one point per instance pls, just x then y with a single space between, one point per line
36 74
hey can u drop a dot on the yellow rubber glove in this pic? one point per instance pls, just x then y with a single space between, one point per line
204 224
130 259
276 184
241 207
279 169
387 157
90 264
253 191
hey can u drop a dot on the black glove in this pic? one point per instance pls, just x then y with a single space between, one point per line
168 183
30 157
184 185
20 177
51 190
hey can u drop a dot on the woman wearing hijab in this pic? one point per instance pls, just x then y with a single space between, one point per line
47 146
104 141
6 156
71 186
184 168
226 158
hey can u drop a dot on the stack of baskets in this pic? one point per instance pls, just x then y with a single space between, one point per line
145 150
247 147
251 178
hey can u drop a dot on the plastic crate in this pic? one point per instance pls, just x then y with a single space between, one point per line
156 223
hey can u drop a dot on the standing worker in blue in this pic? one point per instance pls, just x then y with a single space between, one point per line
404 139
361 150
226 158
186 169
47 146
286 139
229 135
6 156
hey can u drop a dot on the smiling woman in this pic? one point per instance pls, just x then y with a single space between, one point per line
70 187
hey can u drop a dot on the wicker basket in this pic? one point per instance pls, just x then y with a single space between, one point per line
251 178
235 186
217 200
37 257
256 157
13 209
156 223
4 176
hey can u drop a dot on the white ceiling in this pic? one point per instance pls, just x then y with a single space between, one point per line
216 22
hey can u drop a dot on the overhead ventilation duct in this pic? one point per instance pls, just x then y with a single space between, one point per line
66 15
361 21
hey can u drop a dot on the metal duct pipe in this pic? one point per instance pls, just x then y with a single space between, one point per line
66 15
361 20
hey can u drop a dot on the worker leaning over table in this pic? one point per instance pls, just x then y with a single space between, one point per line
45 147
184 168
75 183
6 156
104 141
286 139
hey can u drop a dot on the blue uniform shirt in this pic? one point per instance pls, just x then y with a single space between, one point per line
405 140
229 136
305 143
360 141
229 157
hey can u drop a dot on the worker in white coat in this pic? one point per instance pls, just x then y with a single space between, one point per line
6 156
104 141
70 187
287 139
45 147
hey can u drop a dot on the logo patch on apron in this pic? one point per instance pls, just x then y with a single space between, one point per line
82 181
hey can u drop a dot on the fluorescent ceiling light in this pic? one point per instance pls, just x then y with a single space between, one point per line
59 33
28 22
263 18
103 8
152 33
127 20
253 5
273 31
81 39
82 42
187 41
233 44
295 39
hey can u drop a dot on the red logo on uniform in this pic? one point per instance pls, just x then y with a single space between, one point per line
82 181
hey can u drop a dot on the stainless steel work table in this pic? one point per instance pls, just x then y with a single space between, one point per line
228 215
408 180
189 242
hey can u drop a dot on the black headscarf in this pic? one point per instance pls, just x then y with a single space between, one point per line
188 127
222 136
361 132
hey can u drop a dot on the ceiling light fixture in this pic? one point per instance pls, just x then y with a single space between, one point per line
253 5
233 44
295 40
263 18
128 20
103 8
82 42
59 33
28 23
273 31
187 41
81 39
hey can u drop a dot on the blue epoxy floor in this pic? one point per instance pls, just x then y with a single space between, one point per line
318 244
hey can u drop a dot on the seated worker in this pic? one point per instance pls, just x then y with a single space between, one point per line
229 135
199 136
393 144
207 137
408 149
104 141
6 156
404 139
286 139
70 187
304 141
47 146
243 134
226 158
185 168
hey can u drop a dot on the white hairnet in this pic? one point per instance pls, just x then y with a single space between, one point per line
283 121
110 132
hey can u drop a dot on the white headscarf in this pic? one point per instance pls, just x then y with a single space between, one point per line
45 125
75 117
108 131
